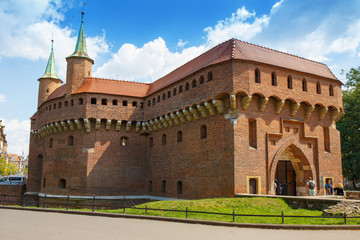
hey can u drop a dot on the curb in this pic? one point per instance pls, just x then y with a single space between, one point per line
194 221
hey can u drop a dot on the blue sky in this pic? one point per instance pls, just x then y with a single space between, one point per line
144 40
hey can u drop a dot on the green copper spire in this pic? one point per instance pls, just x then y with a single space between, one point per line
80 49
50 71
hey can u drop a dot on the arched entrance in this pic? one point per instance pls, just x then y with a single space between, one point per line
292 171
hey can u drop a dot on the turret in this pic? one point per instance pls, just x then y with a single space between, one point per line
79 64
50 81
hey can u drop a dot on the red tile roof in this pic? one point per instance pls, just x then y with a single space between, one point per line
231 49
113 87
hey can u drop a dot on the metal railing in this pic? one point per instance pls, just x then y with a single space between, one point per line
122 204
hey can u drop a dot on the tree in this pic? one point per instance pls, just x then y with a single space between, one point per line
7 168
349 127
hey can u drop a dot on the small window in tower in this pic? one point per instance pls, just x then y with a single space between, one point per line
59 105
180 89
44 182
62 183
201 79
46 108
142 105
187 86
51 142
194 83
49 107
318 88
153 101
179 187
252 133
134 104
150 186
163 96
179 136
125 103
72 102
66 103
273 79
81 101
203 132
257 76
169 94
331 90
54 106
174 91
70 141
158 99
163 186
115 102
149 103
289 82
104 101
93 100
163 139
151 142
304 85
124 141
210 76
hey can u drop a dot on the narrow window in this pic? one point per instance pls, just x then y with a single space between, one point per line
134 104
164 139
174 91
203 132
187 86
93 100
149 103
273 79
104 101
304 85
50 108
289 82
257 76
46 108
179 187
72 102
163 96
201 80
54 106
252 133
180 89
331 90
151 142
194 83
153 101
81 101
59 105
210 76
158 99
62 183
51 142
318 88
169 94
124 141
326 139
70 141
66 103
150 186
142 105
44 182
179 136
125 103
115 102
163 186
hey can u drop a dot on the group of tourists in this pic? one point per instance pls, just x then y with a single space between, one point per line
329 189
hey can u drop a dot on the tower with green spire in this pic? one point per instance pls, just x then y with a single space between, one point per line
79 64
50 80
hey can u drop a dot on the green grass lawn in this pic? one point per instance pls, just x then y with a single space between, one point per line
255 206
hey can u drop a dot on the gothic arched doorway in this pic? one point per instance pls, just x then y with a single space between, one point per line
292 171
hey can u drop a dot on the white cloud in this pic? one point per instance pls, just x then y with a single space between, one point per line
2 98
181 43
17 136
27 34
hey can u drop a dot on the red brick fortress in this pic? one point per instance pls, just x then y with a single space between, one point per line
233 120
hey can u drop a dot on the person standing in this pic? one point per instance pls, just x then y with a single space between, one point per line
329 188
311 187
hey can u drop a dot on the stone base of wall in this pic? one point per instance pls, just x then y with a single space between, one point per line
12 194
353 195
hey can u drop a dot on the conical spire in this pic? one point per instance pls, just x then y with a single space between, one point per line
80 49
50 71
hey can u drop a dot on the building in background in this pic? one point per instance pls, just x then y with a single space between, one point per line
233 120
19 161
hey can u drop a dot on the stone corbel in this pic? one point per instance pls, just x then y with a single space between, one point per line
232 102
108 125
168 119
128 126
174 118
59 127
97 124
262 103
148 125
53 128
219 104
308 110
143 125
341 114
334 115
245 102
118 125
322 112
78 124
49 130
153 125
195 113
158 123
188 115
164 122
64 126
138 127
202 110
87 125
210 108
278 106
71 125
294 108
181 116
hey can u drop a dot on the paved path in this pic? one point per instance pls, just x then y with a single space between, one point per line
28 225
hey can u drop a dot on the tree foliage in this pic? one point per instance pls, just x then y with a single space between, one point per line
7 168
349 126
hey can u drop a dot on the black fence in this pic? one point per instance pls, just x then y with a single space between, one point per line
70 202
